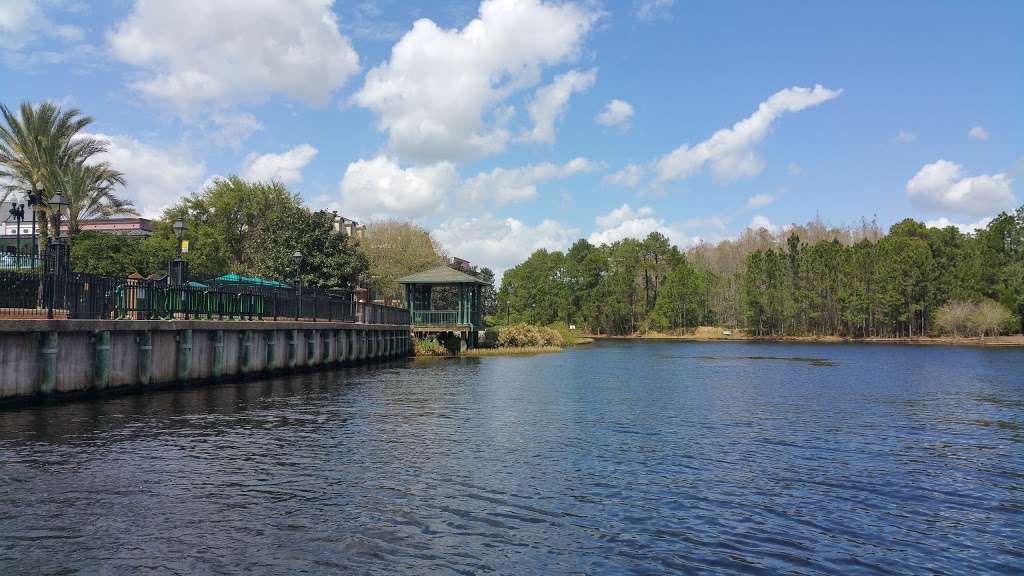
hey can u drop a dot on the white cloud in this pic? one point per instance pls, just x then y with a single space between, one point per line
942 185
759 200
759 222
505 185
285 167
649 10
379 187
978 133
438 94
965 228
501 243
730 151
156 178
794 169
198 51
630 176
625 222
904 137
234 129
550 101
616 113
25 25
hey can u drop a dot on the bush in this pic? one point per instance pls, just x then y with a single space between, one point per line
429 347
527 335
985 318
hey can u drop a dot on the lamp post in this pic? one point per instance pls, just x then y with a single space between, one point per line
297 257
57 250
177 271
34 199
18 213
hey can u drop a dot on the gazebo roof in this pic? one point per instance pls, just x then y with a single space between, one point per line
440 275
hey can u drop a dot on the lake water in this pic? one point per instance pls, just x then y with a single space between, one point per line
616 458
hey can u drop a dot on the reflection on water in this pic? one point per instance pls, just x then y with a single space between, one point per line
624 457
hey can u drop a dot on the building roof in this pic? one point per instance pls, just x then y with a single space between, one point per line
440 275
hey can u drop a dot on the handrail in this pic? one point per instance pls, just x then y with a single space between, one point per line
89 296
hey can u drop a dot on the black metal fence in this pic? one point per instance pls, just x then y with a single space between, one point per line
12 261
28 294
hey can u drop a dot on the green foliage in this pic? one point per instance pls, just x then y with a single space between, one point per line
115 255
429 347
254 228
810 280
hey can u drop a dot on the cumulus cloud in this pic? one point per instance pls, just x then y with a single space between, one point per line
285 167
965 228
616 113
626 222
501 243
759 200
156 178
731 151
630 176
505 185
26 24
550 101
198 51
942 186
234 129
978 133
441 94
379 187
761 222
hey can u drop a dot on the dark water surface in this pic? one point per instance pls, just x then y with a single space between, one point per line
616 458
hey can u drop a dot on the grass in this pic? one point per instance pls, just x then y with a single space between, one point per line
509 351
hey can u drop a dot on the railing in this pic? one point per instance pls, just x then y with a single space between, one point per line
435 317
11 261
30 295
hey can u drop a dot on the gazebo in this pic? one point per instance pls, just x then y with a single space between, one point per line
444 299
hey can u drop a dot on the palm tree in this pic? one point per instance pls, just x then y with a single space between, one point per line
89 190
35 146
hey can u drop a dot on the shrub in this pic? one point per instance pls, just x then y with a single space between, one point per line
526 335
985 318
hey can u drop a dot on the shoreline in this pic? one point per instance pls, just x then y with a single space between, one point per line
978 342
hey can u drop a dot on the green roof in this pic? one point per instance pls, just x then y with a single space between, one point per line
248 281
440 275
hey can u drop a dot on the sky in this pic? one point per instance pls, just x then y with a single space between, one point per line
505 126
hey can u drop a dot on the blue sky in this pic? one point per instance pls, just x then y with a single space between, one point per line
483 121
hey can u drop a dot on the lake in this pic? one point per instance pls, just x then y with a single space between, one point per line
614 458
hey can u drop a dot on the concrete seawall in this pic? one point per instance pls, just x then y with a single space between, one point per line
47 358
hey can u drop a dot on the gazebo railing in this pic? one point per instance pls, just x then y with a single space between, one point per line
435 317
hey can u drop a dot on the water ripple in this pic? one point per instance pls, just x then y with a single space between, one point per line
619 458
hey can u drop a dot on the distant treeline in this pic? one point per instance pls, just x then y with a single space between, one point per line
807 280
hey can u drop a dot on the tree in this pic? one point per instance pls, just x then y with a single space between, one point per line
89 190
488 295
36 146
254 228
395 249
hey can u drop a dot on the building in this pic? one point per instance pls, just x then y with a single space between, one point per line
348 227
129 226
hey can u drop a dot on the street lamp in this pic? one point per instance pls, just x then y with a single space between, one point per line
57 205
34 199
178 272
297 257
18 213
57 249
